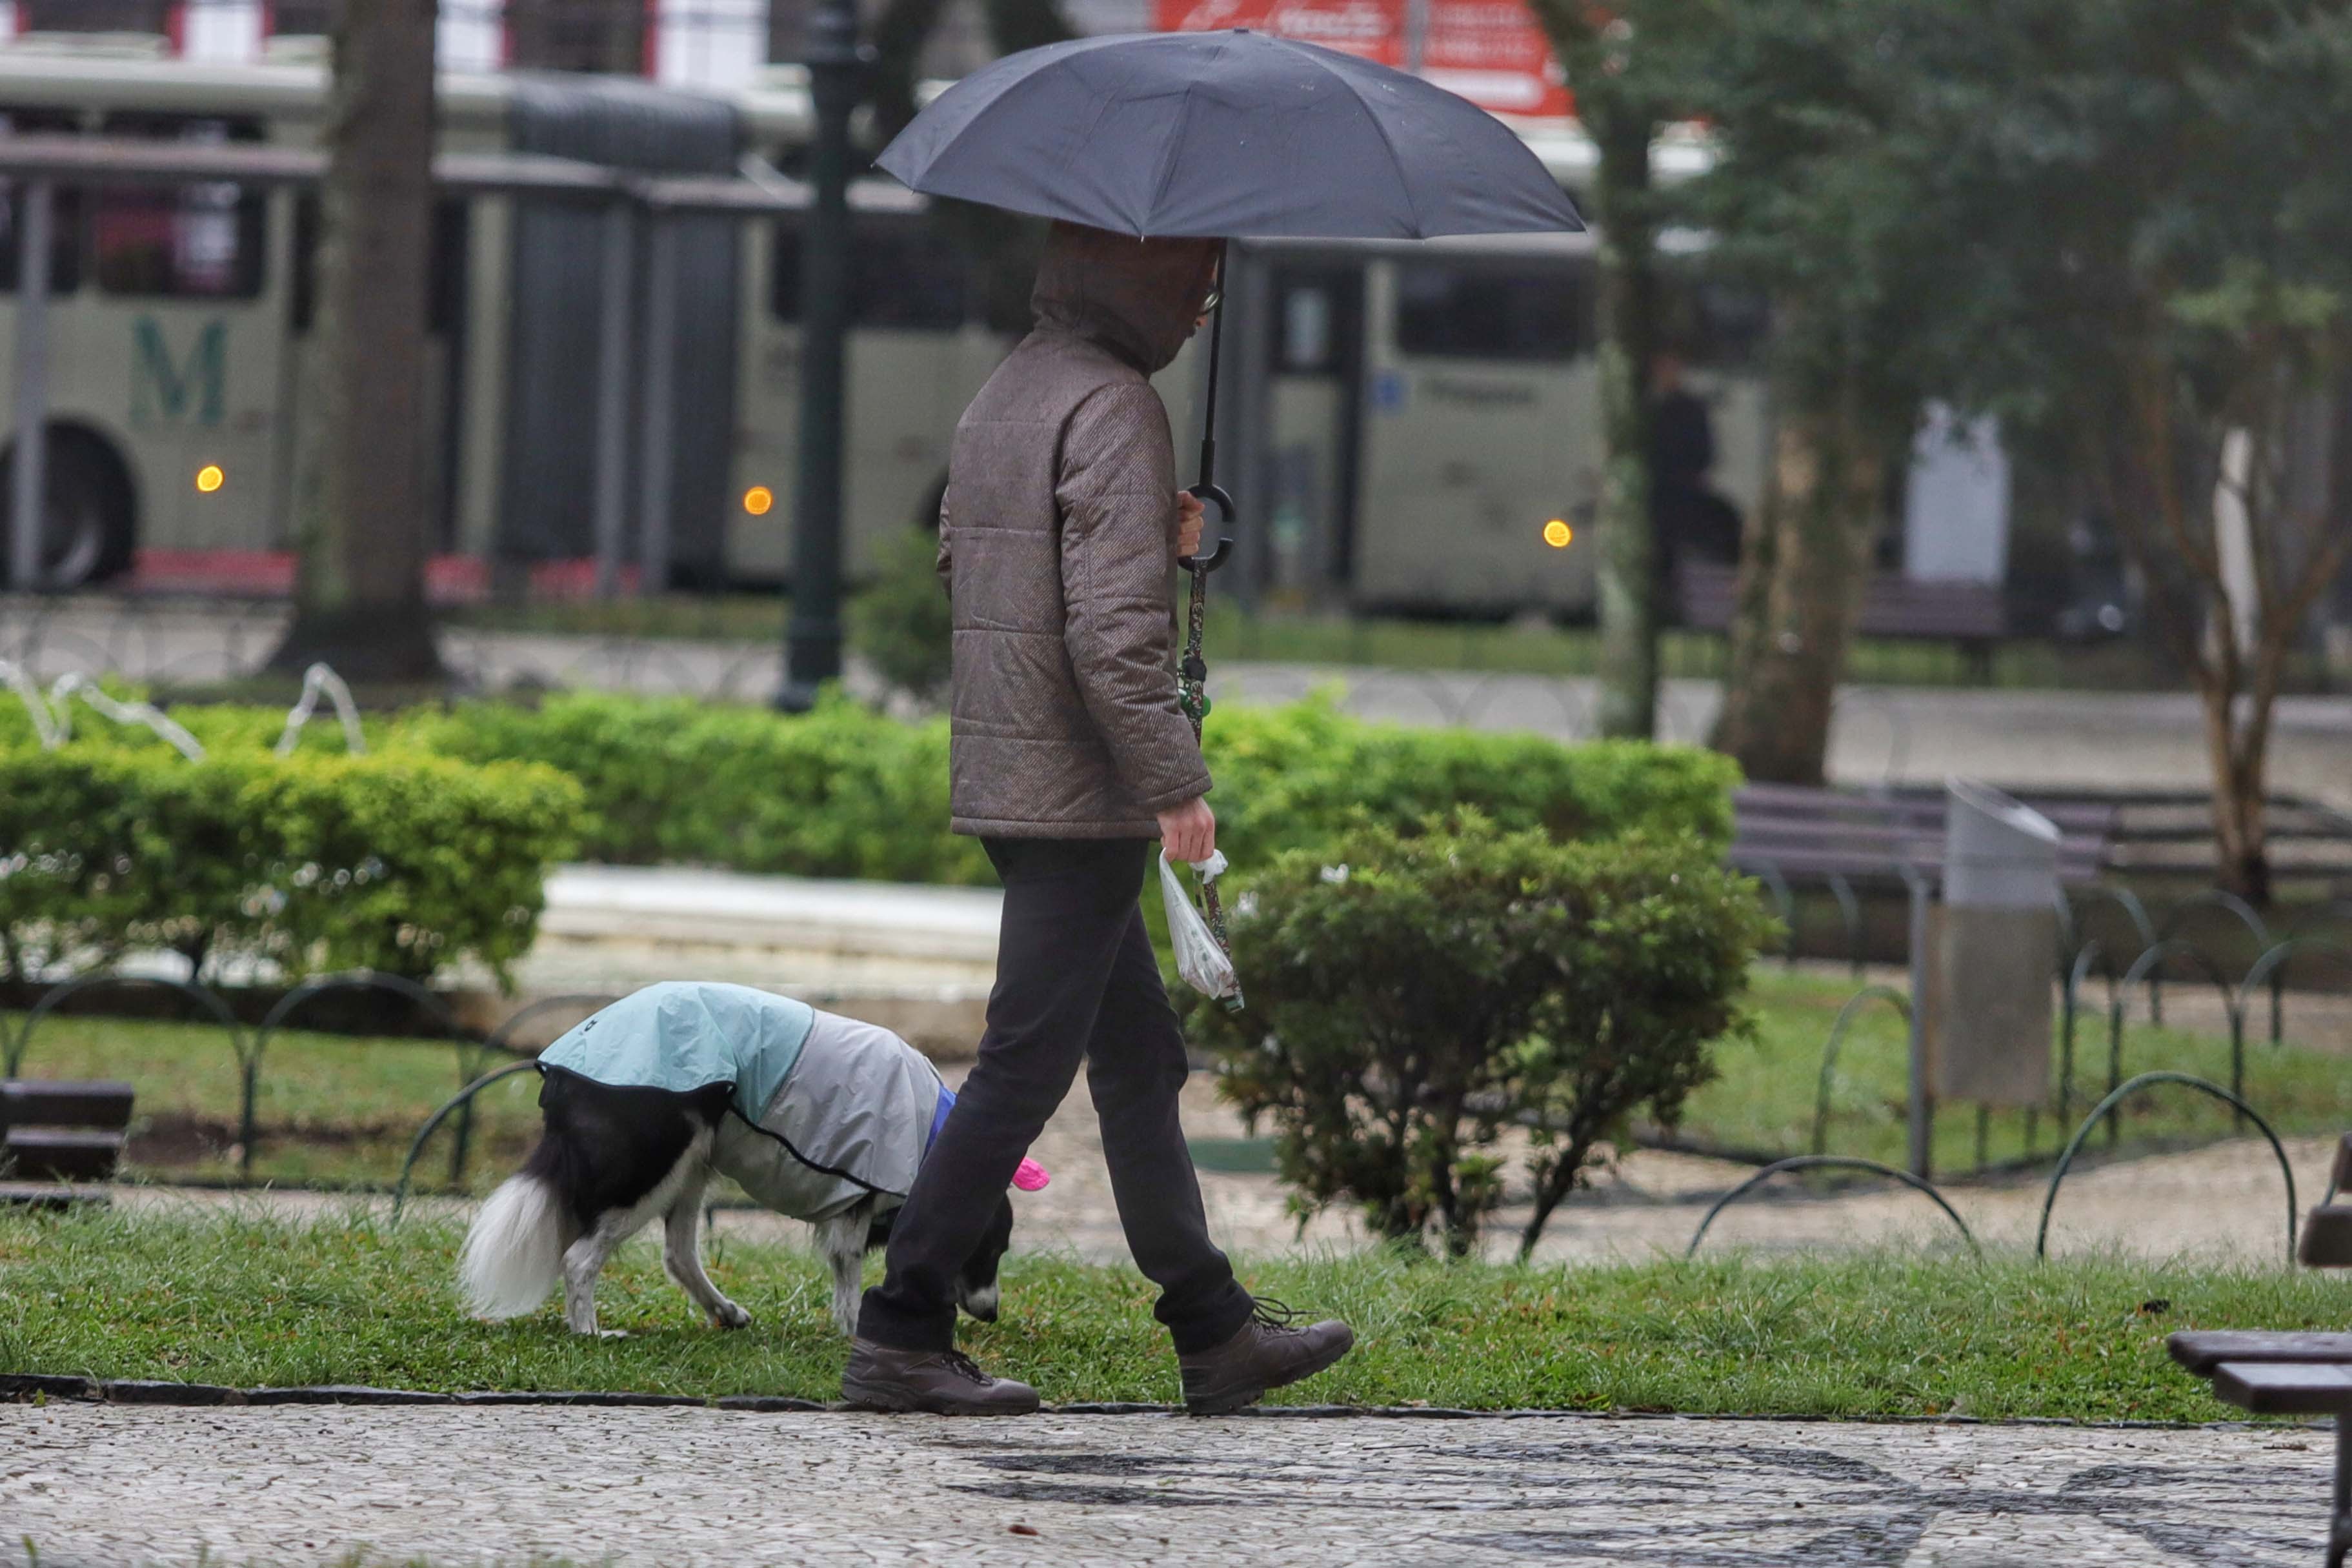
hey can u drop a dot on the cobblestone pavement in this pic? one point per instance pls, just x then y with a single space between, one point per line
89 1485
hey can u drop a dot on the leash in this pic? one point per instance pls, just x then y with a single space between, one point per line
1192 697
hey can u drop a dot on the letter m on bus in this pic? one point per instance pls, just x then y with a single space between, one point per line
163 388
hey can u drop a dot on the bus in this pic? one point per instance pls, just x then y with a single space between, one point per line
1406 427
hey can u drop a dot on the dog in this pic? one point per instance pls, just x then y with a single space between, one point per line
818 1117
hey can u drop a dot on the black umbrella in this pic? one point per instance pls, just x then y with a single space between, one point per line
1232 135
1235 135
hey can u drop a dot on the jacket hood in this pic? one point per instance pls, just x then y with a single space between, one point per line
1138 297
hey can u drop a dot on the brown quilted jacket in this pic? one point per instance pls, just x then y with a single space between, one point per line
1057 541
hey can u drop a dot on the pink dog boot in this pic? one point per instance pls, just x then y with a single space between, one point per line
1032 1176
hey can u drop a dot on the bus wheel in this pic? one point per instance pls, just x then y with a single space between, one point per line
86 522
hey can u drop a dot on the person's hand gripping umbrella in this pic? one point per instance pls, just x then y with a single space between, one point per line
1230 135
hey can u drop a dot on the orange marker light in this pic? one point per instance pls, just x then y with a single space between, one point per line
1556 534
210 478
759 501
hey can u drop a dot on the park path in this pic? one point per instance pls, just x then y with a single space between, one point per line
2224 1201
85 1485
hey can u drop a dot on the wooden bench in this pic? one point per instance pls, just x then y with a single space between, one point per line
1802 832
2294 1374
1790 836
57 1137
1971 614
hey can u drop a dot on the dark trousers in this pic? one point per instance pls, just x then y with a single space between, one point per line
1075 979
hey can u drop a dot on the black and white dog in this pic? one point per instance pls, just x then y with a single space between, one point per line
817 1117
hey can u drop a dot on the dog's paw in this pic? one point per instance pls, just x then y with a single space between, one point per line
731 1316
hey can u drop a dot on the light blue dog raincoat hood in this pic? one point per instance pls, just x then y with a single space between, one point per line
825 1110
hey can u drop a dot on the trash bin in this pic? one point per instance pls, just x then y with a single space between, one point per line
1993 944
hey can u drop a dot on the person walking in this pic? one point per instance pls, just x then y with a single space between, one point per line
1690 521
1069 759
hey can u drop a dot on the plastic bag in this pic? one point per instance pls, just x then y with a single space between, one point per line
1199 959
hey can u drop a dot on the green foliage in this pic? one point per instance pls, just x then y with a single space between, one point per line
401 862
1410 995
1298 776
901 623
839 792
842 792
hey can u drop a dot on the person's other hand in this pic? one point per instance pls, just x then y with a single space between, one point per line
1189 832
1188 524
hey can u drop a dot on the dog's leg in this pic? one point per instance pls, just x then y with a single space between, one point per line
682 1256
585 1258
842 1242
583 1261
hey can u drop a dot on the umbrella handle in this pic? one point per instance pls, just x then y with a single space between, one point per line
1224 505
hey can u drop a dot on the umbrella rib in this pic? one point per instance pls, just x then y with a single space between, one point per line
1404 180
1168 160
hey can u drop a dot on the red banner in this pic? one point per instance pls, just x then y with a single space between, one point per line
1490 51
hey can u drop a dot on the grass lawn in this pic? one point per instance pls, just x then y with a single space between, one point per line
340 1110
1765 1099
333 1109
248 1301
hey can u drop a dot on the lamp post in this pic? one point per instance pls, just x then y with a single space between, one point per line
836 69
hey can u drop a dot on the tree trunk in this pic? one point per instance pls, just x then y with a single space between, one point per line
899 35
365 511
1628 575
2239 753
1799 596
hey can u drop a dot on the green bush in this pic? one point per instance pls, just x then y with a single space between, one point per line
1297 776
842 792
900 623
1413 994
401 862
217 726
839 792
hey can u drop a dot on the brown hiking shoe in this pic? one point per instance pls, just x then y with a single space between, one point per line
1267 1354
942 1382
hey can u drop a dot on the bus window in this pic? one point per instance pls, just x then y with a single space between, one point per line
190 242
93 16
308 16
1448 313
65 211
906 276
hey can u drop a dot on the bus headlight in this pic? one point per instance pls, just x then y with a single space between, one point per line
210 478
1558 534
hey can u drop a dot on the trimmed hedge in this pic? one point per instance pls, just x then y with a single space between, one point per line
400 862
842 792
839 792
432 846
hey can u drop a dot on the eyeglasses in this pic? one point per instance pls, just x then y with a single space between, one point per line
1217 297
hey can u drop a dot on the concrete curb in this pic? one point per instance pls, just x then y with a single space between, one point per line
38 1387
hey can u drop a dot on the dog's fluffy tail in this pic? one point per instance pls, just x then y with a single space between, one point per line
515 1251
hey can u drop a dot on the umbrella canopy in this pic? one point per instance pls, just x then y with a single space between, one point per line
1226 135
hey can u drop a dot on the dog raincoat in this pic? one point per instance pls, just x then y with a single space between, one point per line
824 1110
